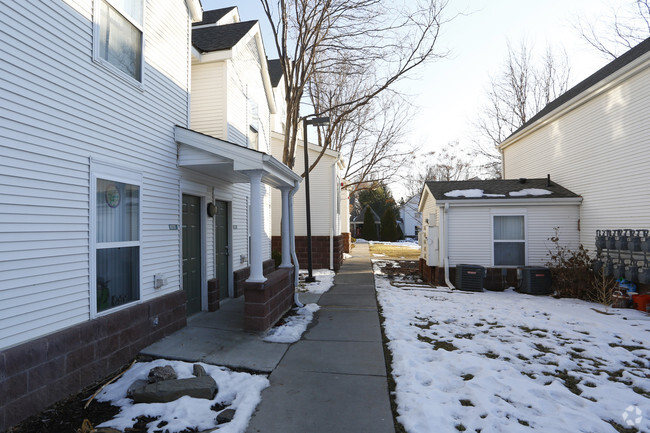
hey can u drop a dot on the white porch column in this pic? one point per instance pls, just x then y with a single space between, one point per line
286 232
257 270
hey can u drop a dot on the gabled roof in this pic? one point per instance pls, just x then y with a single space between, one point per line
498 189
211 17
358 218
604 72
275 71
217 38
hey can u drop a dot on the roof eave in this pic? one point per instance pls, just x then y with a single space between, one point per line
582 98
195 9
511 201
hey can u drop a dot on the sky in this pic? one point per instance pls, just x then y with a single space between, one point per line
450 92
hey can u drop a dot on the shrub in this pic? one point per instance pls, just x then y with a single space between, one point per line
388 226
369 231
570 270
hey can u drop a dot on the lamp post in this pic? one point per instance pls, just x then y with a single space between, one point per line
316 121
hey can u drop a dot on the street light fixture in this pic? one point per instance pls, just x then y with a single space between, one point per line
316 121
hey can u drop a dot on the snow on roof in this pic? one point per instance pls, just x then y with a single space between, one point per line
471 193
529 191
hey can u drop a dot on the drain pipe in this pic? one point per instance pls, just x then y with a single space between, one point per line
292 244
445 259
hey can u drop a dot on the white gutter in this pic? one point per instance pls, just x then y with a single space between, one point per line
292 237
445 244
333 227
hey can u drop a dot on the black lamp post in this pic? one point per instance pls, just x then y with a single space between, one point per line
316 121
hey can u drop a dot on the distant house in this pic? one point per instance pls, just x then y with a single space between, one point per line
113 210
329 212
595 140
356 221
409 217
498 224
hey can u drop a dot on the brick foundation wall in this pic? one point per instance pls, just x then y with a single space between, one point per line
38 373
320 251
265 303
347 242
213 295
240 276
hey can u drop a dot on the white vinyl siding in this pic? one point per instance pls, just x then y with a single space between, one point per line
59 110
598 150
470 231
209 101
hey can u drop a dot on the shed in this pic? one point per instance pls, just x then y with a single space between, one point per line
498 224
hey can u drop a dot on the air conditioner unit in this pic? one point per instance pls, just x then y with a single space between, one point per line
534 280
470 277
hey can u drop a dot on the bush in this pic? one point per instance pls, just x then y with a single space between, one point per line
571 270
369 231
388 226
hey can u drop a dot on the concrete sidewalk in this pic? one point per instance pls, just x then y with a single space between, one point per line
334 378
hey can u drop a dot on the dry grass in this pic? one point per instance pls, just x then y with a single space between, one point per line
394 252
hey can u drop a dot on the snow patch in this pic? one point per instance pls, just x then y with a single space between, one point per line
470 193
239 391
293 326
530 191
324 281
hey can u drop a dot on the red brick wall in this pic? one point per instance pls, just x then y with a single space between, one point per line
347 242
240 276
265 303
320 251
43 371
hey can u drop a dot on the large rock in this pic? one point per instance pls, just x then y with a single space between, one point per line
158 374
198 370
170 390
225 416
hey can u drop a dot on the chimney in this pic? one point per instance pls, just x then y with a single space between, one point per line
548 180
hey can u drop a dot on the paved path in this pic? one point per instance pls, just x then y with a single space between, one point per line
334 378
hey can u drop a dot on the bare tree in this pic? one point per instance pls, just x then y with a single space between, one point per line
519 91
329 43
450 164
629 27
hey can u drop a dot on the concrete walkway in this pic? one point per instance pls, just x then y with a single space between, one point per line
334 378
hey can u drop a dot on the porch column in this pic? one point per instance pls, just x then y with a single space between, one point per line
286 232
257 270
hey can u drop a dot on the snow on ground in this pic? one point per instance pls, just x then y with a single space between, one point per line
239 391
508 362
293 327
405 243
324 281
347 256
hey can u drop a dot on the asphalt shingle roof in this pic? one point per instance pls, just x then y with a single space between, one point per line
610 68
211 17
498 189
219 38
275 71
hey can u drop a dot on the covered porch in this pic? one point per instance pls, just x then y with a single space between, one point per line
267 295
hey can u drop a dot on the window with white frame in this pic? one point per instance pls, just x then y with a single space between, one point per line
120 35
509 235
117 242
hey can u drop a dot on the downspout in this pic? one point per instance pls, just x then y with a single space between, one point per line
445 244
292 237
333 227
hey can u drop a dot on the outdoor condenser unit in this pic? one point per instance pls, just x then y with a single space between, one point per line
534 280
470 277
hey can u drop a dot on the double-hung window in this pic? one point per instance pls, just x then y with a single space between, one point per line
116 241
119 41
509 239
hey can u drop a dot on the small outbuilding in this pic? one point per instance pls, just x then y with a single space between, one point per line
500 224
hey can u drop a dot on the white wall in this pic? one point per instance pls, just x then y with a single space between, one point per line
470 231
60 110
410 216
321 185
598 150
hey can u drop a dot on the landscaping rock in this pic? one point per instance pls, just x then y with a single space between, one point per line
158 374
199 371
170 390
225 416
134 386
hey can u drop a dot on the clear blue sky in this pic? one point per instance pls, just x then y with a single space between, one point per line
450 92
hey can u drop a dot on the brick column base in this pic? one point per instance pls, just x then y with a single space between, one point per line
213 295
265 303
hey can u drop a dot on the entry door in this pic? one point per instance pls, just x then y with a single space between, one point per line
192 252
221 247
